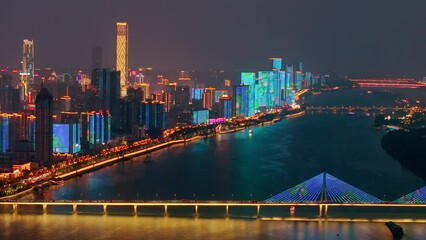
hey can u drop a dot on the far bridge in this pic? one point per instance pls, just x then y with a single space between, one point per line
354 108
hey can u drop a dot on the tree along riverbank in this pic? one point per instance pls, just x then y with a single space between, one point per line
409 148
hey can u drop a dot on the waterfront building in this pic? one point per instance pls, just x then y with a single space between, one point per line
44 130
200 116
298 78
289 84
225 107
4 134
241 100
249 78
27 71
265 91
153 116
66 138
307 80
13 129
122 56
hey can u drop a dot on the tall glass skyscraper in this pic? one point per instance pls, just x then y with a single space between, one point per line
44 127
122 56
27 72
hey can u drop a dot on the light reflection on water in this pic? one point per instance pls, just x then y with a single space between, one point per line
21 226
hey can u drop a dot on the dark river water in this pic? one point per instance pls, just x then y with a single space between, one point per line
244 167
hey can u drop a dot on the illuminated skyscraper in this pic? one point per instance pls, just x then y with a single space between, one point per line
122 56
44 127
225 107
249 78
241 100
153 116
27 72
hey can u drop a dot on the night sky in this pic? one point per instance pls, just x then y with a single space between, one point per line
357 37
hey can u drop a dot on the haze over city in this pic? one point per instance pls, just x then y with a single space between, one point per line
352 37
236 119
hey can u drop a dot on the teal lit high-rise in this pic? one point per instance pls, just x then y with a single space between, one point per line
249 79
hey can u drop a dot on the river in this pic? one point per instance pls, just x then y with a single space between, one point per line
241 166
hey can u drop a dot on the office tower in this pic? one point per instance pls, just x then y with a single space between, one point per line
107 83
145 90
182 96
298 79
197 93
225 107
9 99
170 88
185 80
153 116
208 97
307 81
122 56
27 72
277 63
168 101
289 83
241 100
66 138
12 130
4 133
207 100
96 58
44 124
265 89
200 116
249 78
282 88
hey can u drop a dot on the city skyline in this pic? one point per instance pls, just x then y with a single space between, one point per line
360 38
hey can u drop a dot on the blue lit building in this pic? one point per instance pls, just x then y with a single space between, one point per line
249 78
241 100
66 138
225 107
298 78
197 93
153 115
200 116
4 134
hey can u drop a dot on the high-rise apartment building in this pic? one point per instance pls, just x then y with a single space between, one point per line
44 127
27 72
153 116
122 56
